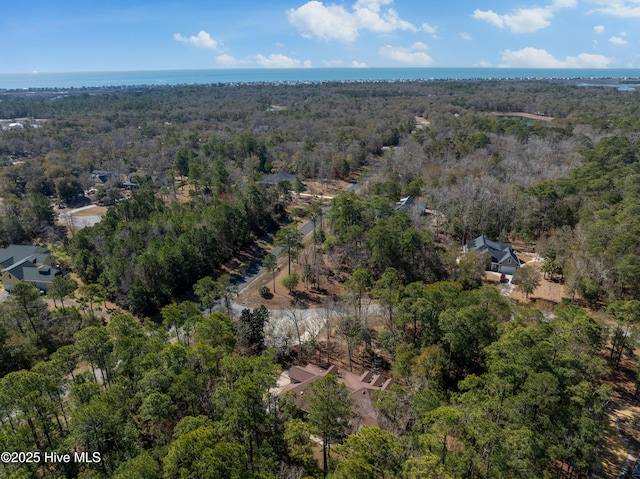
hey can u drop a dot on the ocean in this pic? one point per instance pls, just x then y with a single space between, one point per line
35 80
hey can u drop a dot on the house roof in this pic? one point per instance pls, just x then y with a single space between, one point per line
28 263
42 274
409 203
156 180
102 176
17 269
359 387
17 253
500 252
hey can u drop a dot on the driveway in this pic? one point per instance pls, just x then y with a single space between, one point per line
72 220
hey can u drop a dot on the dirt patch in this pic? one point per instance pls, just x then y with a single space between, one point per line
613 449
184 194
421 122
325 188
531 116
621 443
307 296
550 291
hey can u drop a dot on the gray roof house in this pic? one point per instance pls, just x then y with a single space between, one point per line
101 177
502 257
32 264
409 205
132 180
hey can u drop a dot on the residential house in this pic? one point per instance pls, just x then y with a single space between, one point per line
32 264
500 256
410 205
360 388
101 177
134 180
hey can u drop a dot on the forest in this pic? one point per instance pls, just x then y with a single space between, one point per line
140 356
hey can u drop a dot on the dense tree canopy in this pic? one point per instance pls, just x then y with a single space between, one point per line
484 387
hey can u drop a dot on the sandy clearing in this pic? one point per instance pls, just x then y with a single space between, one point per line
421 122
524 115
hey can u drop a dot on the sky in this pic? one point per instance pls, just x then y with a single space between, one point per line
125 35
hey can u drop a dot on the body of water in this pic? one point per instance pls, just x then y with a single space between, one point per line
16 81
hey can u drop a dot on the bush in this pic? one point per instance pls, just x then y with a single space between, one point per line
291 281
265 292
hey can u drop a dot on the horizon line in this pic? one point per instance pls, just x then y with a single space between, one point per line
302 68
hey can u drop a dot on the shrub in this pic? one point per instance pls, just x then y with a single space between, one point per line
265 292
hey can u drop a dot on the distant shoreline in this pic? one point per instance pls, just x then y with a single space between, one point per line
10 82
612 82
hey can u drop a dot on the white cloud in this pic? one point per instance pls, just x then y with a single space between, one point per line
272 61
328 23
332 63
598 29
483 64
277 60
524 20
539 58
617 8
201 40
419 46
618 41
370 16
228 61
355 64
429 29
335 22
465 36
406 56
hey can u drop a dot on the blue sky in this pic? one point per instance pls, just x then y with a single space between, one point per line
101 35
